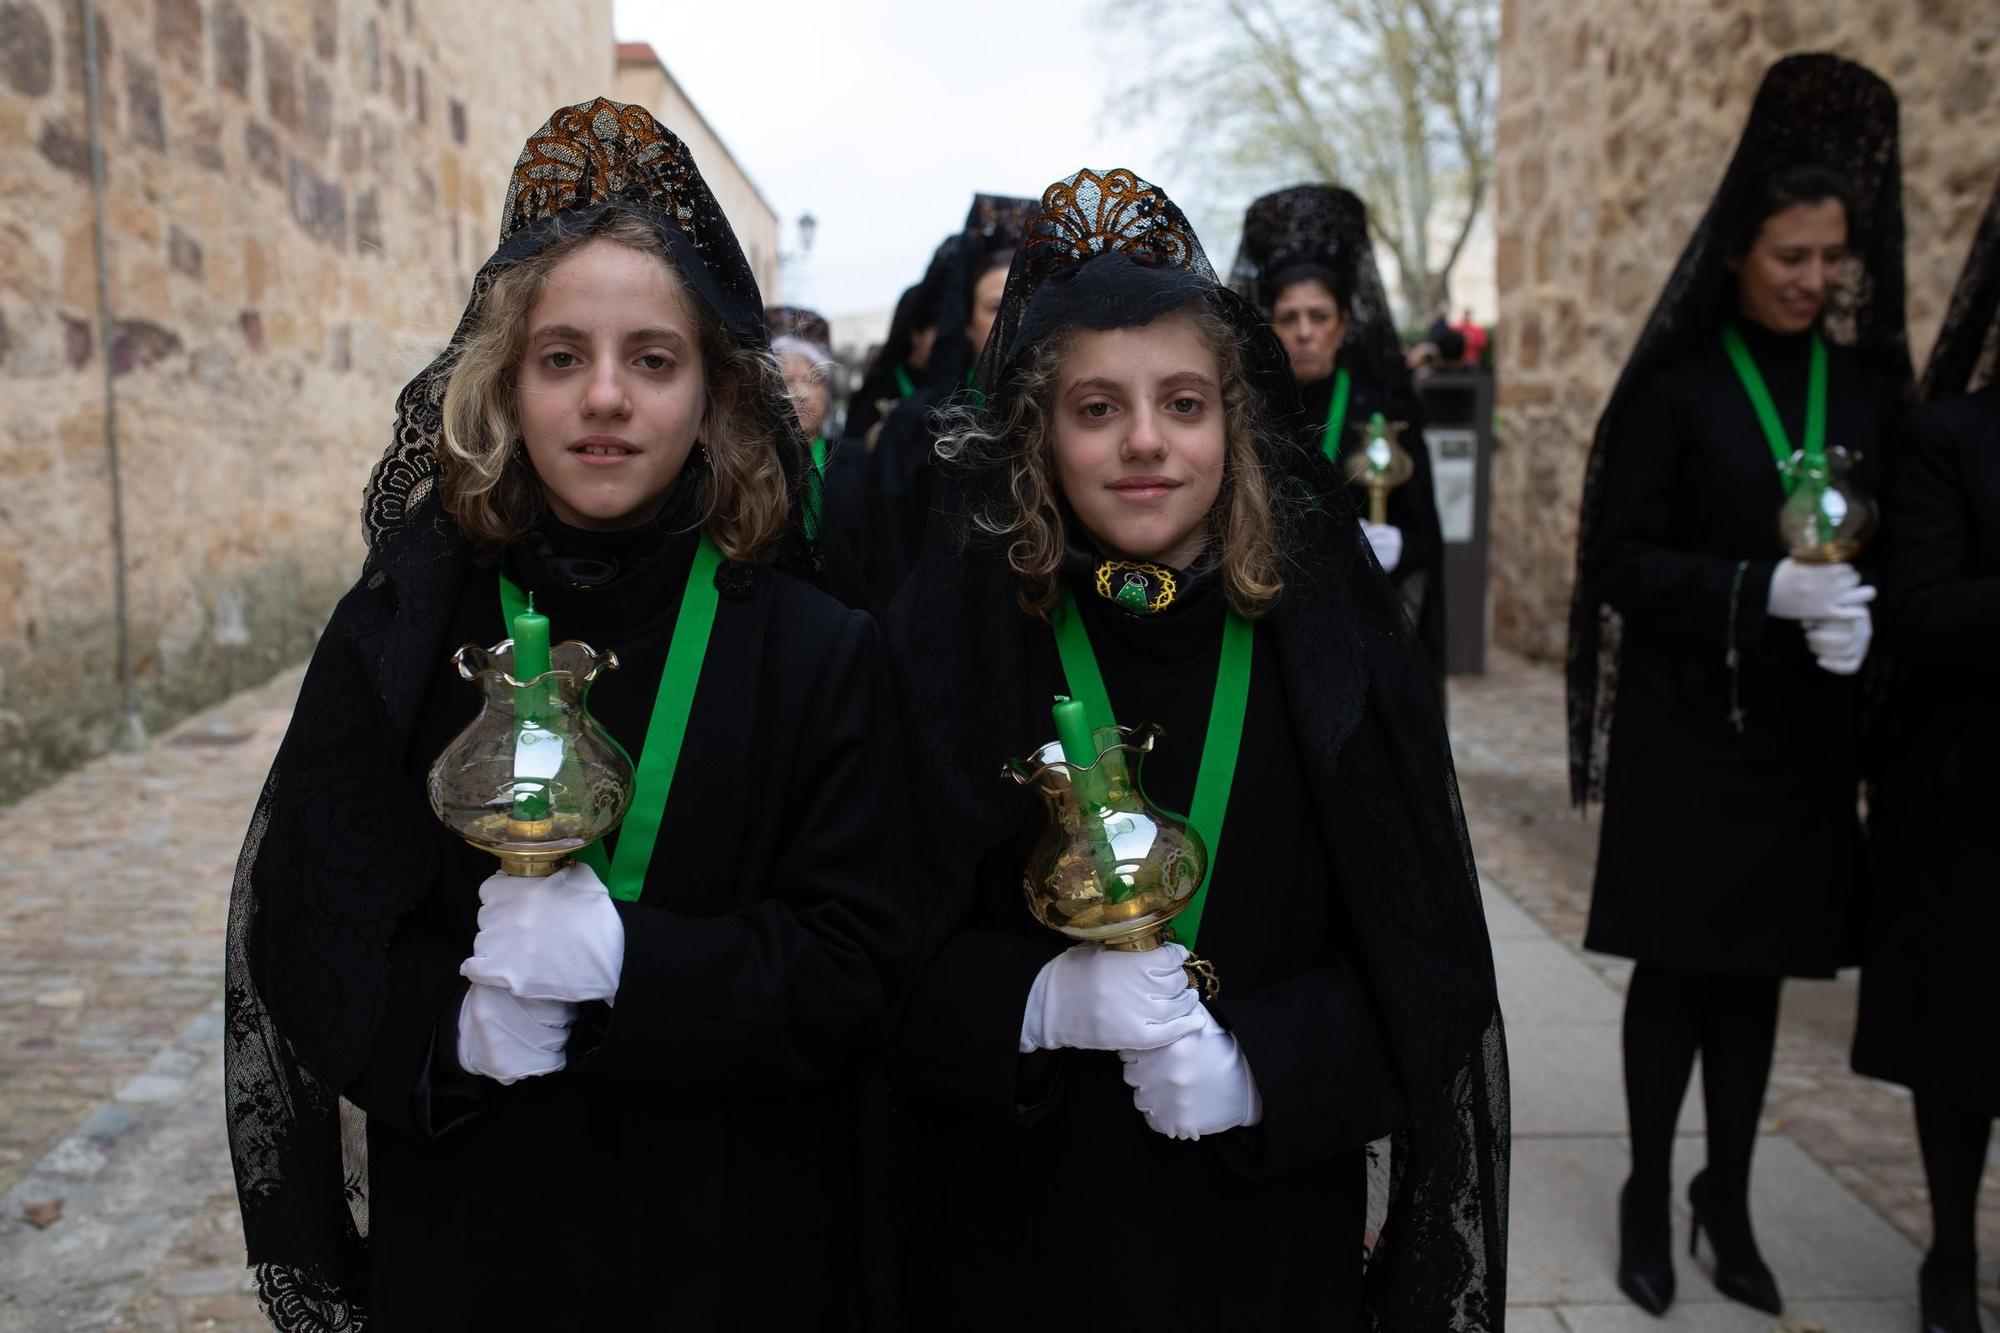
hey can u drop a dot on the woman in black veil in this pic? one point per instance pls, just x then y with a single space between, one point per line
1307 262
620 1096
1090 1142
1929 1012
970 271
901 365
1712 694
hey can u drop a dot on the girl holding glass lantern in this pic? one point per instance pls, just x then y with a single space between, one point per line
1718 625
615 1096
1125 518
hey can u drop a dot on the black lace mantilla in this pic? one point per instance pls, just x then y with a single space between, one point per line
1815 109
340 845
1105 249
1966 355
1326 226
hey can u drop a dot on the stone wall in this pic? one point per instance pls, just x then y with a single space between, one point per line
298 192
1616 120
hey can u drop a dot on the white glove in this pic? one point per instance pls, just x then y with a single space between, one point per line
1816 592
507 1038
1841 645
1387 540
1099 999
1199 1085
554 938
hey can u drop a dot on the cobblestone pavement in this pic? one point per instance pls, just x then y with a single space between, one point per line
1508 740
111 917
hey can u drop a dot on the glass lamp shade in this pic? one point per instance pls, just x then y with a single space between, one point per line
1381 464
534 778
1826 519
1111 867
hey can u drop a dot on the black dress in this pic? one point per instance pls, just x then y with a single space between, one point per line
1419 573
1036 1184
1929 1008
1725 851
695 1165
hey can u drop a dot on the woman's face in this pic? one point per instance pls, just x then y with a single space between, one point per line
986 294
1310 323
808 391
612 386
1140 437
1800 252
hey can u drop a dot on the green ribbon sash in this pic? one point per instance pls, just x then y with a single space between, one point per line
815 498
625 875
904 387
1767 411
1219 749
1336 416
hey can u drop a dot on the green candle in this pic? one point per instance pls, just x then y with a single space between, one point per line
1079 749
531 659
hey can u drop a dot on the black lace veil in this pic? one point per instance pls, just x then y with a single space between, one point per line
1811 109
340 845
1108 250
1966 356
992 226
1325 227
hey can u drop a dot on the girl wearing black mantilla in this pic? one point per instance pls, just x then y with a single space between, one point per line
1088 1139
1723 671
611 1098
1307 262
1929 1008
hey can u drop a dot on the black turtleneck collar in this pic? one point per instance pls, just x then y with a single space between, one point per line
1186 623
609 582
1767 344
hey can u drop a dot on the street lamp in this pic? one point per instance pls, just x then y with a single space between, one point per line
808 224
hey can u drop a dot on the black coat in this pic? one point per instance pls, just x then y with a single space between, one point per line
1725 851
1036 1183
1929 1010
696 1164
1419 573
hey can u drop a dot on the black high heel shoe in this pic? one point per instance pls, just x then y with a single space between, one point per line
1949 1295
1740 1273
1645 1253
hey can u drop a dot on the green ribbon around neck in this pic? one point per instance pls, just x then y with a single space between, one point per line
1767 411
815 498
1219 749
625 874
1336 416
904 386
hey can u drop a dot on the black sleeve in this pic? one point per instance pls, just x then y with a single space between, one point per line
412 1080
776 997
1321 1061
960 1039
1678 595
1937 609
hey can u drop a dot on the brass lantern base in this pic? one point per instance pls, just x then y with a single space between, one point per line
1201 973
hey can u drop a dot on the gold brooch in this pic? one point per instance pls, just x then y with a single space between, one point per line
1140 588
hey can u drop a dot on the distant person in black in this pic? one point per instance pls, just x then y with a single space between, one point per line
1930 1008
1306 261
1723 669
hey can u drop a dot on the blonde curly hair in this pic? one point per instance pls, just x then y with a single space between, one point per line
1244 528
485 480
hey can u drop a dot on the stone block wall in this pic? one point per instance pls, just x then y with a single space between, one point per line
298 192
1616 120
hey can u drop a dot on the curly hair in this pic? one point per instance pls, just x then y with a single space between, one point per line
489 487
1244 522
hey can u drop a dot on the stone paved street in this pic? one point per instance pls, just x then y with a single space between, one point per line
110 969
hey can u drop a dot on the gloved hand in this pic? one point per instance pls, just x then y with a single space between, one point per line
1099 999
1816 592
1840 645
554 938
1388 543
507 1038
1199 1085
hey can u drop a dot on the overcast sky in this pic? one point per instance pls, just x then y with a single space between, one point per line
884 118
